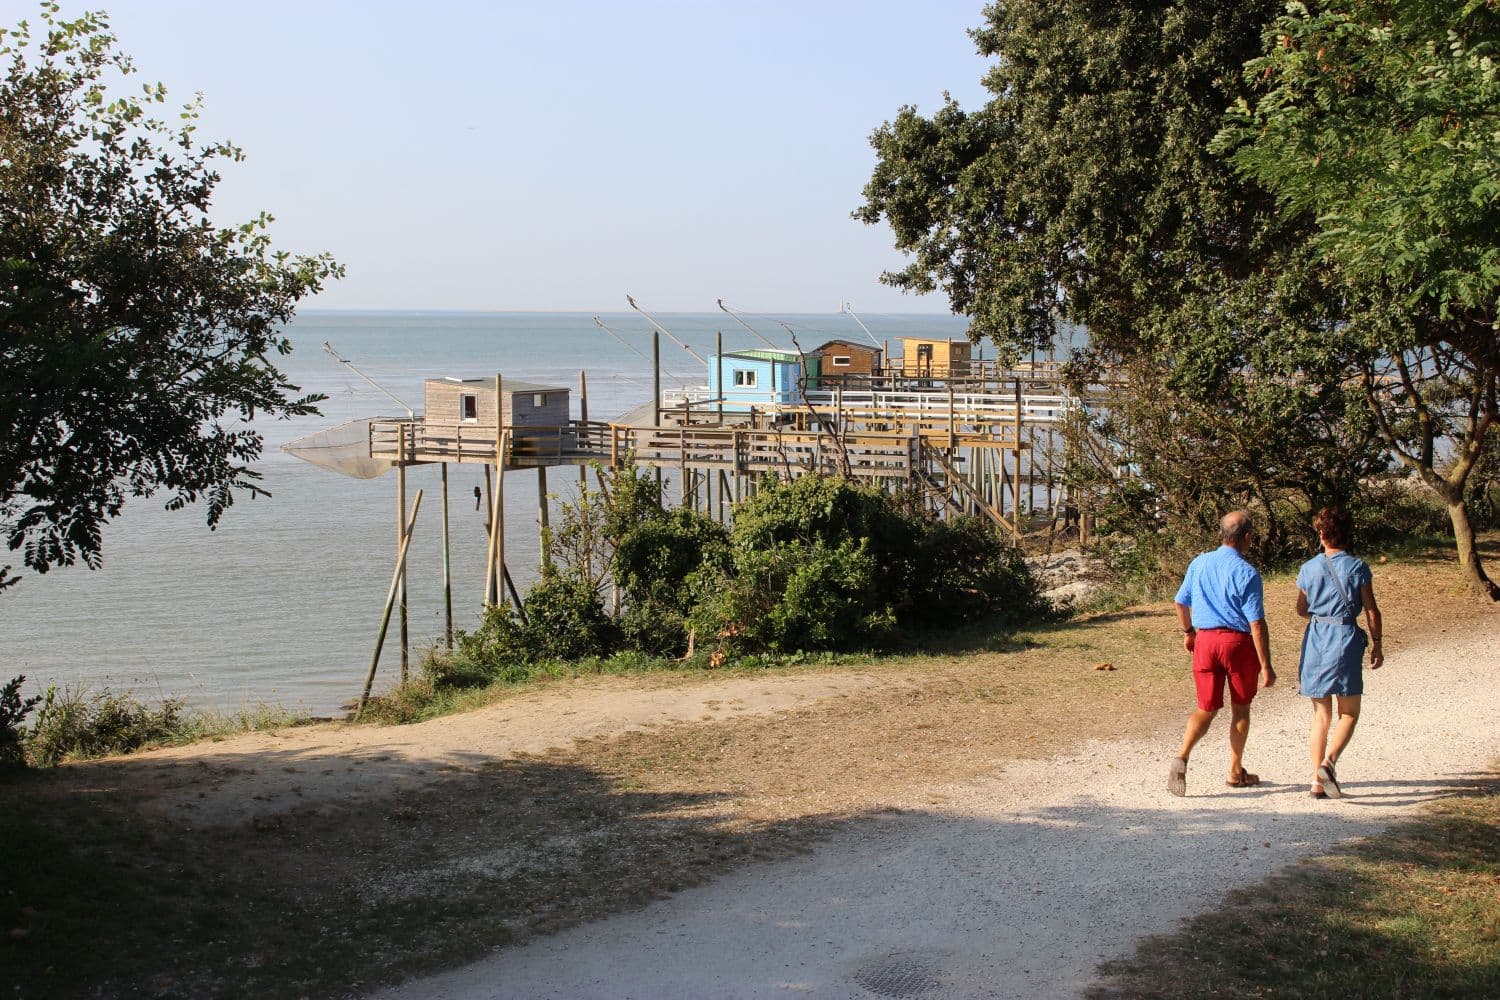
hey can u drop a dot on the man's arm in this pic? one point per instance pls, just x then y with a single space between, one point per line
1262 638
1185 620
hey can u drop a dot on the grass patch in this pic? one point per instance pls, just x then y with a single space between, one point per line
78 722
1413 913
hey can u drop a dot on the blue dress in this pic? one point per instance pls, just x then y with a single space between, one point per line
1333 646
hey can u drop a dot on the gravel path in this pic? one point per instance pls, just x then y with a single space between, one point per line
1020 884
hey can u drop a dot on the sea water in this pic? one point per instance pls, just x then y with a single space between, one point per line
282 603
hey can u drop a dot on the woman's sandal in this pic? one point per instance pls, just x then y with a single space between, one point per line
1330 780
1243 780
1317 792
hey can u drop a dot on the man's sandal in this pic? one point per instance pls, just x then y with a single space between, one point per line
1330 780
1177 777
1243 780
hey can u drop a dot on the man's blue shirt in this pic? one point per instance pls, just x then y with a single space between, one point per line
1223 590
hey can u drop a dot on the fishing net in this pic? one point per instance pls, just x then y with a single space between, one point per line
344 449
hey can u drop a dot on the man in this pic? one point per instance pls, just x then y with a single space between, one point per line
1221 609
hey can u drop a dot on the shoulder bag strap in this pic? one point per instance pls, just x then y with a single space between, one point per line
1338 584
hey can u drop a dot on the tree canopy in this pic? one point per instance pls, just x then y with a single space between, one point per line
1382 121
137 337
1084 192
1094 188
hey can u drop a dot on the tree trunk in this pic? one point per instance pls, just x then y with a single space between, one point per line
1468 552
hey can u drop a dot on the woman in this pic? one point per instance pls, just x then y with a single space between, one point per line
1332 588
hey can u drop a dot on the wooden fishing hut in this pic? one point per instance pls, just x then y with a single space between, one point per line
761 379
926 359
845 362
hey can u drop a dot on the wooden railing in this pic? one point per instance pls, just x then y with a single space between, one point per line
461 442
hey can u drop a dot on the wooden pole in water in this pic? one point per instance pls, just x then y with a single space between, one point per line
390 601
583 415
447 569
656 392
543 530
401 537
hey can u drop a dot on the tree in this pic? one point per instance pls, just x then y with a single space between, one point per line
1380 120
1084 191
136 337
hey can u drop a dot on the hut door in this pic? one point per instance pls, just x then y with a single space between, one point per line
924 360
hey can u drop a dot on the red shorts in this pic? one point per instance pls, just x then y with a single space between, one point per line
1221 654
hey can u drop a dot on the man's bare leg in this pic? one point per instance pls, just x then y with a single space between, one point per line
1197 728
1239 732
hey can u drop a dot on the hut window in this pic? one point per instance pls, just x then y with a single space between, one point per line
744 377
840 361
468 406
538 400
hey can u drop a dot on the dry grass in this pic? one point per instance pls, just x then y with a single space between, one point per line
341 895
1414 913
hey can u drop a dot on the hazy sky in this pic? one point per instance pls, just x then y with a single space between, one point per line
557 155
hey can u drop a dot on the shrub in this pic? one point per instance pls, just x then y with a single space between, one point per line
565 620
655 564
73 724
967 570
1396 509
796 595
13 712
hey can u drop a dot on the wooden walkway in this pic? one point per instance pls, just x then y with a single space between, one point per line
742 451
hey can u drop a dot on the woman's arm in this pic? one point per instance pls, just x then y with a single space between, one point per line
1372 619
1302 604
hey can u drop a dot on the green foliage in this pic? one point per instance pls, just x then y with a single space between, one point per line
13 712
821 563
794 596
73 724
135 334
1377 120
1083 189
968 570
587 529
656 563
565 620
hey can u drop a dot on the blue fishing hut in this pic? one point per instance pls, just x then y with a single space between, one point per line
765 380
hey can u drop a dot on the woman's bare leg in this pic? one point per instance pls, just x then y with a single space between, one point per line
1317 741
1348 717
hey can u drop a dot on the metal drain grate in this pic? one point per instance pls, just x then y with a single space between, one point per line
900 976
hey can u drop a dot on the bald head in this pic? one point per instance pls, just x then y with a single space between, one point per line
1234 528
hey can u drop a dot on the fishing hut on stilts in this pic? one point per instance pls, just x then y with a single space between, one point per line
955 433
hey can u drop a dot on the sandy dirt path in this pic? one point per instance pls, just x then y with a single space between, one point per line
243 778
1019 884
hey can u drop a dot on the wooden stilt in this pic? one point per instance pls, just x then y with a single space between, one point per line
543 528
1017 458
400 537
489 536
447 568
390 600
501 450
583 415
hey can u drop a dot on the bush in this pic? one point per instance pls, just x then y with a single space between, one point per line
795 596
1397 509
565 620
968 570
655 563
13 712
73 724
